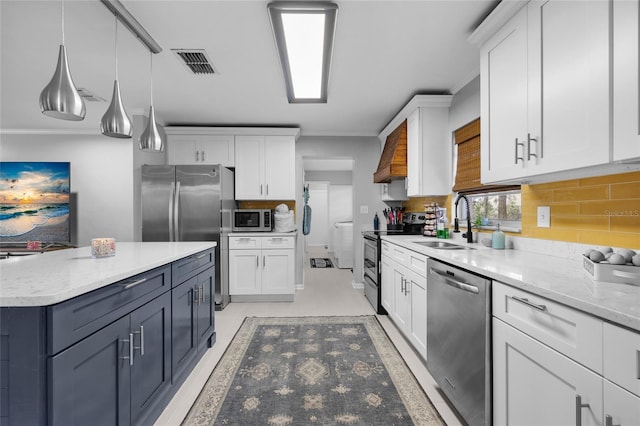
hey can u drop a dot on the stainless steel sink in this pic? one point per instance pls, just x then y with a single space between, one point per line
442 245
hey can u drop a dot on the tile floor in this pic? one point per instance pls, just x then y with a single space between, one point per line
327 292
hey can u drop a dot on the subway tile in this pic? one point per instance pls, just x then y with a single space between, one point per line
625 191
538 197
613 239
617 178
552 234
555 185
596 223
563 209
610 208
600 192
629 224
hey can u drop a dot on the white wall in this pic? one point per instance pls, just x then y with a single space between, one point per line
105 177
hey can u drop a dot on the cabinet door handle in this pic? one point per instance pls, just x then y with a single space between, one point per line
264 261
608 421
529 154
202 155
132 284
267 189
130 341
260 189
257 262
579 407
196 295
528 303
141 333
197 155
202 294
516 151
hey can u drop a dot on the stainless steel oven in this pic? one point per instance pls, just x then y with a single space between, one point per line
371 265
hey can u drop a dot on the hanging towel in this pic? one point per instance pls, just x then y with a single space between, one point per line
306 212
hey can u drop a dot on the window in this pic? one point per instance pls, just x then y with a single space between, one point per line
489 209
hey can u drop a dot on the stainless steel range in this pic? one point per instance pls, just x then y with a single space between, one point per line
413 224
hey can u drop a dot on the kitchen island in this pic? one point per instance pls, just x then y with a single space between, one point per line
105 340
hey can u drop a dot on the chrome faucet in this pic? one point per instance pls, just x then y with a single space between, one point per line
456 226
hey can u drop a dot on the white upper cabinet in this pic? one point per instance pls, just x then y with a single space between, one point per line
545 91
200 149
626 92
265 167
429 144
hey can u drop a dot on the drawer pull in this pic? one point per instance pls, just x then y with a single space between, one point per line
608 421
579 407
528 303
638 364
127 286
141 333
130 341
201 256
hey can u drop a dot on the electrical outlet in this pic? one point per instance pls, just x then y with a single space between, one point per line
544 217
364 209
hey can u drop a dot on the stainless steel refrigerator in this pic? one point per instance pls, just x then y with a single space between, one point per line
190 203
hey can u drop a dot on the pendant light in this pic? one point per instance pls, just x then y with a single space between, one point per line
60 98
151 139
115 121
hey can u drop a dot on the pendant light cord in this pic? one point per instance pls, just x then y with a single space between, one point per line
62 22
116 44
151 75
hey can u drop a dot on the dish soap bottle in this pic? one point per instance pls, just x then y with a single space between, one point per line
497 238
376 222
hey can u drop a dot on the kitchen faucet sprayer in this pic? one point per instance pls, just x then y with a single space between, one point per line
469 233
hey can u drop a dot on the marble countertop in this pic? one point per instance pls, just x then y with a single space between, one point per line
560 279
48 278
264 234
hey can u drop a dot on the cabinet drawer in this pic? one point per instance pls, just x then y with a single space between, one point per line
622 357
416 262
277 242
75 319
386 248
570 332
188 267
245 243
399 254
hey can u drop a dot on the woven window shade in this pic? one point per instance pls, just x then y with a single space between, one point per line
467 139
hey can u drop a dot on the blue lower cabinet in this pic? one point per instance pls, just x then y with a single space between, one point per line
151 369
118 375
193 307
90 381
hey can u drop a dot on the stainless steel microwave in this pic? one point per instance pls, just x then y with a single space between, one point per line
252 220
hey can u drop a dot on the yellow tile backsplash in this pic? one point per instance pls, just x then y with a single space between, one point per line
603 210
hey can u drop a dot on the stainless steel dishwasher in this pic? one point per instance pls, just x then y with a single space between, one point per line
459 339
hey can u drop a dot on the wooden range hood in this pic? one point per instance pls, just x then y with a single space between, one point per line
393 161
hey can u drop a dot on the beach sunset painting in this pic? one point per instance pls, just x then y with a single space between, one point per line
34 202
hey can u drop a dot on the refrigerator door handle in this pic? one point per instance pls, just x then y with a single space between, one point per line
176 213
172 194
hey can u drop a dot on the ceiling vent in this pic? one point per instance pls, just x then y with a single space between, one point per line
196 60
88 96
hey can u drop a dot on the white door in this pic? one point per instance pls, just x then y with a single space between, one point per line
319 203
181 149
244 272
571 40
249 174
504 99
535 385
340 208
621 405
418 310
279 167
218 149
277 271
387 290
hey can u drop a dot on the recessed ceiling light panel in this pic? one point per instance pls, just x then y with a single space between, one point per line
304 33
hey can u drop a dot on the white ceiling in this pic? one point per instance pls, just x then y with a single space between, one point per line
385 52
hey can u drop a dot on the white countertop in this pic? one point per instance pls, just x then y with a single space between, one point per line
264 234
52 277
559 279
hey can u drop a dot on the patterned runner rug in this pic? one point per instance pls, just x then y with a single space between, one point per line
312 371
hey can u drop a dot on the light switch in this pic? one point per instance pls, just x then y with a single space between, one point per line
544 216
364 209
